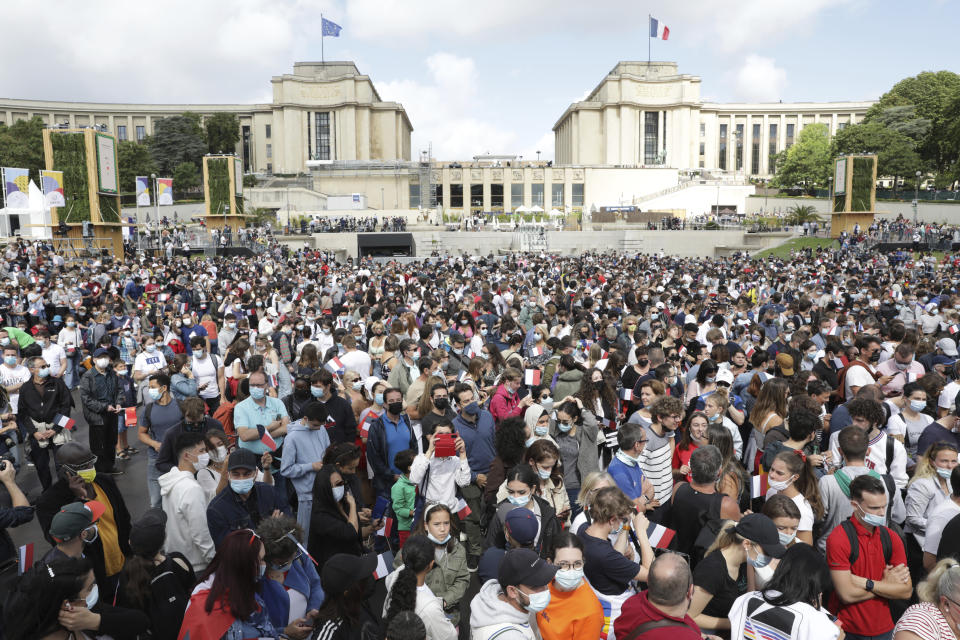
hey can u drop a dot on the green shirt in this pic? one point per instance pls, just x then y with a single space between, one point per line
404 495
23 338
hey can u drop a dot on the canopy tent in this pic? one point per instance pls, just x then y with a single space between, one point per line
522 209
536 209
555 213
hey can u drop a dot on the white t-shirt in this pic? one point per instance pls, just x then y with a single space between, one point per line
857 377
149 362
10 376
206 372
949 395
357 361
752 617
54 356
942 514
877 457
806 511
899 424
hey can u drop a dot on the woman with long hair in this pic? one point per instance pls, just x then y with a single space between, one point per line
929 487
182 383
543 456
234 366
308 361
227 602
715 407
792 475
598 395
570 373
574 612
407 590
734 480
390 358
291 585
703 385
796 589
769 411
694 435
575 432
650 390
334 523
376 347
522 485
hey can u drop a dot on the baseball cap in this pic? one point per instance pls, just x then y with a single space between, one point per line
725 375
101 352
785 362
74 518
522 526
760 529
948 346
243 459
344 570
148 533
524 566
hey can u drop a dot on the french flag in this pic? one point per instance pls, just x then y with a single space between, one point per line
534 351
25 558
384 565
365 425
659 536
658 30
334 365
66 422
163 297
462 509
759 486
531 377
386 530
626 394
268 440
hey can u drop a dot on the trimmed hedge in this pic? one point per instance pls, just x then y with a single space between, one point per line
70 156
863 184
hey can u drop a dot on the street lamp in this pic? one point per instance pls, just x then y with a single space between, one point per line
916 198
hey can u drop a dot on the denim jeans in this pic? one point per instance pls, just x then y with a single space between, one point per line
153 478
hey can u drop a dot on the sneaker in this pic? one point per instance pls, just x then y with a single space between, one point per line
472 562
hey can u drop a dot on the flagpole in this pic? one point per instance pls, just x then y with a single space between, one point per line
322 61
649 17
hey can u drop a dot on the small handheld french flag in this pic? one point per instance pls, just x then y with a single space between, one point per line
759 486
65 422
534 351
268 440
384 565
658 29
626 394
531 377
386 530
334 365
462 509
659 536
25 558
365 425
163 297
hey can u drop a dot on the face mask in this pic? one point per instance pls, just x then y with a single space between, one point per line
44 372
875 356
564 427
787 335
198 353
87 475
544 474
121 372
872 520
243 487
10 360
378 398
944 473
786 538
316 392
568 579
436 541
472 409
155 393
812 356
518 501
221 453
510 391
257 393
202 461
763 574
918 405
71 323
540 431
779 485
628 459
711 379
529 441
395 408
326 331
93 597
151 348
4 341
617 531
338 493
231 325
262 570
761 561
441 403
538 601
757 338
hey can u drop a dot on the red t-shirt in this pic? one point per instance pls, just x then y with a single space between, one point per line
870 617
682 457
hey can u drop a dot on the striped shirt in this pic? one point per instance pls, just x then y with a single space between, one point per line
925 620
655 462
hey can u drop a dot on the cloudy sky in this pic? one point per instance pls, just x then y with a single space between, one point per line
475 77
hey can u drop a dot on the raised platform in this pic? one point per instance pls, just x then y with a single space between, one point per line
889 247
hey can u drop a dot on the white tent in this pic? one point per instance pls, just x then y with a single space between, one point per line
555 213
522 209
33 217
537 209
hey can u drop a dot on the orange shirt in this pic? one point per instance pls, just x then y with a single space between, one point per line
211 328
571 615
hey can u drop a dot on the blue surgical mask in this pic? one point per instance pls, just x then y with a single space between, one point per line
338 493
317 392
538 601
518 501
435 541
543 473
872 519
10 360
529 441
44 372
944 473
378 398
198 353
154 393
242 487
564 427
760 562
540 431
918 405
786 538
569 579
151 348
257 393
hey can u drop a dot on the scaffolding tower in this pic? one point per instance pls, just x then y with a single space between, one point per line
531 237
428 190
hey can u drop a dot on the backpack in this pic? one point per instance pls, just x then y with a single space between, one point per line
844 483
168 601
224 414
839 394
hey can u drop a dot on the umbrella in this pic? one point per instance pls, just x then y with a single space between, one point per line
536 209
555 212
521 209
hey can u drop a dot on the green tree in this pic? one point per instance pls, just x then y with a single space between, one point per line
223 132
896 153
185 177
133 159
803 213
932 93
175 140
21 146
808 161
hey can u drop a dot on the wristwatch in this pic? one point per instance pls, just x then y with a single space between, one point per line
869 586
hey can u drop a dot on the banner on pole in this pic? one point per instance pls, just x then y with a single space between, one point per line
51 183
16 184
238 176
143 191
107 163
164 191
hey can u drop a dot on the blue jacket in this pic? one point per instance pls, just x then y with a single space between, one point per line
302 447
628 477
227 512
478 440
303 578
377 453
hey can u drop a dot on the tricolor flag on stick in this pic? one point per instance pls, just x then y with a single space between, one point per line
163 297
25 558
130 416
268 440
334 365
626 394
531 377
658 29
365 425
387 529
384 565
759 486
659 536
838 363
462 509
65 422
463 375
534 351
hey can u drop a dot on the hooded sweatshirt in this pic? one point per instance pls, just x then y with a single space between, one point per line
185 504
489 616
301 448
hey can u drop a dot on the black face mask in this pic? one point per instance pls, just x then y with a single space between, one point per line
300 394
441 403
875 356
192 427
395 408
598 384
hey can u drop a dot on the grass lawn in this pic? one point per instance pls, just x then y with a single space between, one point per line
783 251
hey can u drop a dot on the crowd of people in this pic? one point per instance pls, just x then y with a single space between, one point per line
609 446
351 224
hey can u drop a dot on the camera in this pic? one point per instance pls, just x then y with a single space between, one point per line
9 442
4 459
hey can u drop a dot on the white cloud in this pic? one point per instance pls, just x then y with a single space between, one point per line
759 79
447 110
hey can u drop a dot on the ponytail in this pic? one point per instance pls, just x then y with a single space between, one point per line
806 482
417 556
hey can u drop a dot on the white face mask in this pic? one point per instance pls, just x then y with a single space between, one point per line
202 461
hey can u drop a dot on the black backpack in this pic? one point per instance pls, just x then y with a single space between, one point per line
168 600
